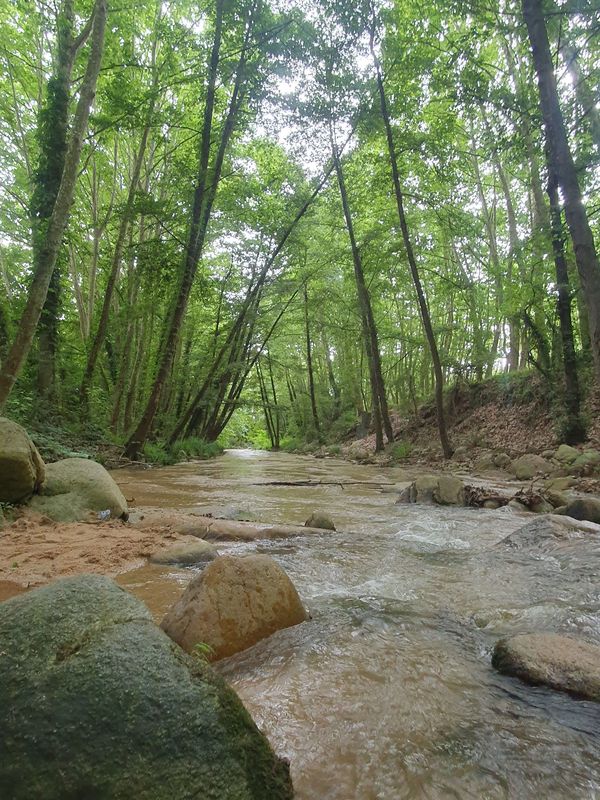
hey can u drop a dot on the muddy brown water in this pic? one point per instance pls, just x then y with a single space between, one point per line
387 693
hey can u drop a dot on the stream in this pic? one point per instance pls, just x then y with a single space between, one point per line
387 693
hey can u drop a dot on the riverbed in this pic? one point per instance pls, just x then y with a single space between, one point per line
387 692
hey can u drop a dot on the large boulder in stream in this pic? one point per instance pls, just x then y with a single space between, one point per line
186 554
547 659
445 490
319 519
528 466
76 488
21 467
548 532
235 602
96 702
584 508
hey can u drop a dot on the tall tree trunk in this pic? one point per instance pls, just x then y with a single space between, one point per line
204 195
563 167
380 411
309 365
55 228
574 430
414 270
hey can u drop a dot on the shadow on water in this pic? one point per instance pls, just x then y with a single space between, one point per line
387 693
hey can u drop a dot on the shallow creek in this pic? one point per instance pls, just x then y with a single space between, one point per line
387 692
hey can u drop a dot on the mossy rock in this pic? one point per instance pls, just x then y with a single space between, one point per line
21 466
96 702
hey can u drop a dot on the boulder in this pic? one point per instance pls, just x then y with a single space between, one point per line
77 487
96 702
560 484
450 491
460 454
501 460
530 465
548 454
586 462
424 488
585 508
555 498
21 466
186 554
446 490
485 463
491 504
235 602
547 659
566 454
549 530
318 519
541 506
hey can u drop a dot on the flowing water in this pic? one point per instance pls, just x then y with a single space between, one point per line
387 692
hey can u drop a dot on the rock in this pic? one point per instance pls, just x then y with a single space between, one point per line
501 460
460 454
541 506
586 462
491 505
21 466
530 465
566 454
485 463
548 530
560 484
319 520
77 487
186 553
96 702
547 659
450 491
585 508
424 488
408 494
548 454
517 505
234 603
556 498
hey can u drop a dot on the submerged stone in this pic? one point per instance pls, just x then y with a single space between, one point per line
96 702
547 659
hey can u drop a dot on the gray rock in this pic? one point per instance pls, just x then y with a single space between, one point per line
501 460
560 484
530 465
491 505
76 488
585 508
97 702
559 662
541 507
21 466
450 491
548 530
318 519
424 488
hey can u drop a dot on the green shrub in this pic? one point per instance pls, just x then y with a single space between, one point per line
399 451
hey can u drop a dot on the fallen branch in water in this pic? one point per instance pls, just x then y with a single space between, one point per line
342 484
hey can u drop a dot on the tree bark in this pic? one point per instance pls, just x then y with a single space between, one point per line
309 365
563 167
423 308
57 222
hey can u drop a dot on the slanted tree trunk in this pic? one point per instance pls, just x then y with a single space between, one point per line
563 167
54 229
379 400
204 195
414 270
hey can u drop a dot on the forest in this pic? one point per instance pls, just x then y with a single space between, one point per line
269 222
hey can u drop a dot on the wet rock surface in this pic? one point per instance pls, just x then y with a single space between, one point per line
559 662
96 702
234 603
